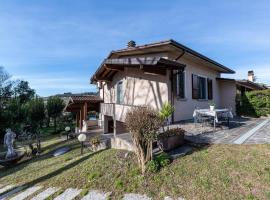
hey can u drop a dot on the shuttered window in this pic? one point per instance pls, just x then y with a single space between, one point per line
202 88
179 84
195 87
210 88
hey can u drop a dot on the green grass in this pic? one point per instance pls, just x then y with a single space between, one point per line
216 172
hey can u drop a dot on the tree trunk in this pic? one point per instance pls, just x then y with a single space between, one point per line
48 122
144 152
54 125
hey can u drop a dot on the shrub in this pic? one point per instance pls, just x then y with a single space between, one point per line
95 141
163 159
165 162
158 162
166 111
143 123
255 103
153 166
171 132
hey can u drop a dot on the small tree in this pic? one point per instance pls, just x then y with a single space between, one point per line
55 107
23 92
143 123
36 116
165 113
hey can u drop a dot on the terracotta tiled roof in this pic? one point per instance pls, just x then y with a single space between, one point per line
75 102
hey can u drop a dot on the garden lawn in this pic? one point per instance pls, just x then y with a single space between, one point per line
214 172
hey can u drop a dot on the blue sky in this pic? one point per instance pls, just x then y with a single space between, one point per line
57 45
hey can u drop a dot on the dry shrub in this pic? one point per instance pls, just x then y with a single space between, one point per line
143 124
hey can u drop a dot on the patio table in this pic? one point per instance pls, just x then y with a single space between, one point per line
226 113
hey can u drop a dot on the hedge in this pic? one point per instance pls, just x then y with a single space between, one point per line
254 103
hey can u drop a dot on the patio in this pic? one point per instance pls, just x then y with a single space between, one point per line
240 131
238 128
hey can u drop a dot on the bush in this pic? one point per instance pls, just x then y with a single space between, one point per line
255 103
166 111
143 123
171 132
95 141
158 162
153 166
163 159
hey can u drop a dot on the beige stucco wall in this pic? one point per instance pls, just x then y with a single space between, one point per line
145 89
227 94
139 88
184 107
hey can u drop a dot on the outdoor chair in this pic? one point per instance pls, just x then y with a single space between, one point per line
203 120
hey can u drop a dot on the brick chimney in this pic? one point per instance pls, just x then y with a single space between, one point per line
251 76
131 44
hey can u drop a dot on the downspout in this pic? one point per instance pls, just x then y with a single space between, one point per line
171 77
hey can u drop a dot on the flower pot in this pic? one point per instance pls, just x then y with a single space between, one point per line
212 108
172 142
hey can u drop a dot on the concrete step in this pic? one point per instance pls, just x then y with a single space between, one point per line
28 192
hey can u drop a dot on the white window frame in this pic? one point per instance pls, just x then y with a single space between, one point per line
121 100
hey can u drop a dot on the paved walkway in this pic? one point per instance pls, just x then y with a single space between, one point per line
241 131
40 193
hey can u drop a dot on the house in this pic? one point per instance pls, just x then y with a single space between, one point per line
152 74
249 84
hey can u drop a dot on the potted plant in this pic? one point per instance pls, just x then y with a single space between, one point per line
165 113
171 139
212 105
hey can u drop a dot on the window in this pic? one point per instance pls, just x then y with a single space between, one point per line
119 97
202 88
179 84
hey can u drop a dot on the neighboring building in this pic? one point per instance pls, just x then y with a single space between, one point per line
156 73
249 84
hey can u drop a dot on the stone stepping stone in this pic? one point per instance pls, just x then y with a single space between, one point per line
45 194
96 195
169 198
6 188
28 192
135 197
11 193
69 194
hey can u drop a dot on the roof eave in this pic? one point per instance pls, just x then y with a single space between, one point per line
223 68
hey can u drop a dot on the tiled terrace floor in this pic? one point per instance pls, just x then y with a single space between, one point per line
224 135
